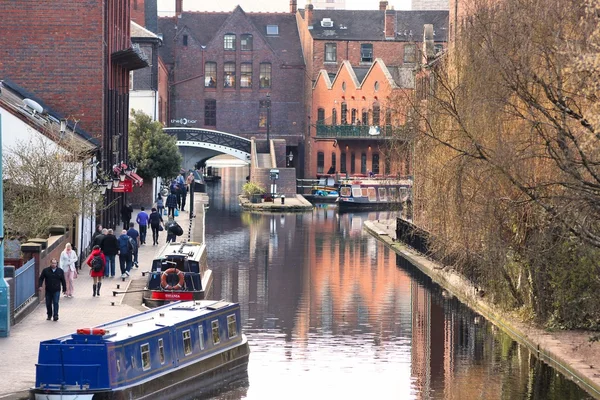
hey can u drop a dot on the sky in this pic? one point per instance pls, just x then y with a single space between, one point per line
269 5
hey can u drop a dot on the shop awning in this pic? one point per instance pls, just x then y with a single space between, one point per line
137 180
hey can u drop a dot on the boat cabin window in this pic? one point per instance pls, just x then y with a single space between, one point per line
382 194
231 326
403 194
356 192
372 194
346 191
118 365
215 332
145 349
187 342
161 351
364 192
393 194
201 336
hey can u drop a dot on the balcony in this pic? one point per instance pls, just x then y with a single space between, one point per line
360 132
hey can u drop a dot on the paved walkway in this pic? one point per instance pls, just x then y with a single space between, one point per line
19 351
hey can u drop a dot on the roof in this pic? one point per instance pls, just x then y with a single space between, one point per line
205 25
369 25
53 115
139 32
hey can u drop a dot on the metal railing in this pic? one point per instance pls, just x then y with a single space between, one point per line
359 131
25 284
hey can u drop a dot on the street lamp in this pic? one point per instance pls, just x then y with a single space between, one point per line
290 157
268 116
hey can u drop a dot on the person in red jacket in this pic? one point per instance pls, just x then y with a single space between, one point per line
97 270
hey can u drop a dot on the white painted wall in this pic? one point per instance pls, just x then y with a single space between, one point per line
144 100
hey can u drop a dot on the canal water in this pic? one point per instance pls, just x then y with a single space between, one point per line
331 313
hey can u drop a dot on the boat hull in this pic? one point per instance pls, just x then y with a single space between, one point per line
187 382
349 205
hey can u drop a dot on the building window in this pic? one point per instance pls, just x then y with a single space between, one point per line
130 80
366 52
187 343
344 114
320 116
352 163
353 116
410 53
201 336
231 326
246 42
145 350
330 52
272 30
375 163
215 332
229 42
376 86
438 48
262 113
343 86
343 163
246 75
364 117
363 163
229 75
161 351
210 112
320 162
376 114
265 75
388 117
333 162
184 40
210 75
334 117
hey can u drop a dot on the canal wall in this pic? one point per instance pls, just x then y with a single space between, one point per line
568 352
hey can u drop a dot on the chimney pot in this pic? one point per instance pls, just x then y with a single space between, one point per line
293 6
309 14
383 5
178 7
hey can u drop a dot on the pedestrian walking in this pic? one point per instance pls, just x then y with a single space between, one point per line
172 204
160 206
96 262
136 236
54 278
97 241
68 258
97 232
126 212
184 192
173 230
156 221
110 248
142 220
125 252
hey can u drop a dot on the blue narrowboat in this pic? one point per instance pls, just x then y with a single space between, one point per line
374 194
177 351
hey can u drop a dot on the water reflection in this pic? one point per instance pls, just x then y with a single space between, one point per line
332 313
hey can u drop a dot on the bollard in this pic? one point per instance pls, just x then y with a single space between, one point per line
118 286
282 198
114 294
112 303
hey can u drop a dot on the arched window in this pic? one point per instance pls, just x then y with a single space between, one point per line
334 117
376 113
365 116
210 74
320 162
321 116
333 162
353 116
344 114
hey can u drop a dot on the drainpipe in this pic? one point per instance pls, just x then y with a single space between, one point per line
4 288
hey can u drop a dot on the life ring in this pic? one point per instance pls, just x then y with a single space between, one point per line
163 279
92 331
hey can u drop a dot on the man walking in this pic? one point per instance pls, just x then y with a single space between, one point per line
110 248
135 235
125 252
126 211
97 241
142 220
54 278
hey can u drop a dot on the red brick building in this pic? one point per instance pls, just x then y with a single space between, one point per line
78 55
228 70
343 45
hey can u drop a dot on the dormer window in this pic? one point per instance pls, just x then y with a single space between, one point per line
272 29
326 23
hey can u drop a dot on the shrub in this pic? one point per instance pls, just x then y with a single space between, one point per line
249 189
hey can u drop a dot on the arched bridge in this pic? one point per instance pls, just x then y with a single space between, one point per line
201 144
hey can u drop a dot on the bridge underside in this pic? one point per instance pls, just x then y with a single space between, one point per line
194 152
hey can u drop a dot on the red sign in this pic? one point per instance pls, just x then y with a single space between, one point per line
124 187
172 295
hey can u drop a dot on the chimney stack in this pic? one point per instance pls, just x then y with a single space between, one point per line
383 5
309 15
293 6
178 7
390 24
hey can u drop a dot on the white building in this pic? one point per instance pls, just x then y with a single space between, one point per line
420 5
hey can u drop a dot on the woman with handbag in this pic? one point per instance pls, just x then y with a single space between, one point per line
68 258
155 220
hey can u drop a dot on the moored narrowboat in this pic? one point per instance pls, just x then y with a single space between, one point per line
374 194
177 351
180 272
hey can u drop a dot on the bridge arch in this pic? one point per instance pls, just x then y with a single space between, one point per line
201 144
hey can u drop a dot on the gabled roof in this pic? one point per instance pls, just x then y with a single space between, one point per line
203 26
369 25
139 32
20 93
396 76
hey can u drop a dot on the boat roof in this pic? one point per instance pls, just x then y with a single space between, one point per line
182 249
377 181
158 318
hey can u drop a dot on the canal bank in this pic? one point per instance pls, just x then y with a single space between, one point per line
569 352
288 204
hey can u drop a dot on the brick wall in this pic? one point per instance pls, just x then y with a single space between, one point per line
138 12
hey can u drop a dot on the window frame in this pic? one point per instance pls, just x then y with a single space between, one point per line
343 169
265 73
184 40
334 116
409 57
263 110
229 77
187 342
344 114
352 163
320 162
229 39
212 110
161 351
201 336
146 361
210 71
363 163
229 324
366 52
375 160
330 52
246 74
320 116
248 38
334 161
216 335
376 117
272 27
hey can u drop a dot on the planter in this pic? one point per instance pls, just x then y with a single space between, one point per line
256 198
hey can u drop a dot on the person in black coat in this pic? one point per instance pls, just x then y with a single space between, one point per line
126 212
54 278
155 220
110 248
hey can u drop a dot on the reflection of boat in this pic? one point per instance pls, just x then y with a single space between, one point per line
322 190
177 351
374 194
180 272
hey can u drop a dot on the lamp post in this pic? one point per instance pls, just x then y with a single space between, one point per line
4 289
268 116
